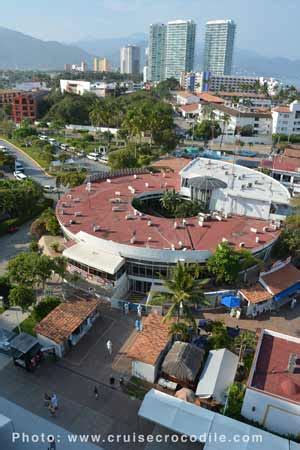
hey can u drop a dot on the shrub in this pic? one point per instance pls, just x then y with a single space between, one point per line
43 308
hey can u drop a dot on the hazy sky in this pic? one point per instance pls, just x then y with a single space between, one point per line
270 27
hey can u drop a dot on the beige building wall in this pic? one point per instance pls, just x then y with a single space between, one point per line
101 65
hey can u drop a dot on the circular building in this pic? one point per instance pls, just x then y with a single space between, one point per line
124 233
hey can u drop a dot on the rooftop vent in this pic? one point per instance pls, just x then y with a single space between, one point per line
132 240
78 214
149 223
257 239
242 244
89 187
146 185
294 363
118 194
253 230
108 180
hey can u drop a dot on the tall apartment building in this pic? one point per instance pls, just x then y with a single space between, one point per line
130 57
157 52
219 45
171 49
101 65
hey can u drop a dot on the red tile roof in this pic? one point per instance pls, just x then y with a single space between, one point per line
256 294
271 373
292 152
96 208
185 94
149 343
282 279
65 319
242 95
210 98
190 108
282 109
281 163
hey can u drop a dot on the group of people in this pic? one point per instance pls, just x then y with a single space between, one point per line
51 402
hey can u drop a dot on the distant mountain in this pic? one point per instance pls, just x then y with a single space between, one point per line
20 51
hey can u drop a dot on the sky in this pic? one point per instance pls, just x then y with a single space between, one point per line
270 27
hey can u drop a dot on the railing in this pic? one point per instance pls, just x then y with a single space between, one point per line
117 173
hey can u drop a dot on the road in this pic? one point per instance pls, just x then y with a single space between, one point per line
12 244
32 170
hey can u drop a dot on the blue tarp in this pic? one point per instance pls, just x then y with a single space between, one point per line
231 301
287 292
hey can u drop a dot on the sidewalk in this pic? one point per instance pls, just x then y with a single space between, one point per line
25 422
12 317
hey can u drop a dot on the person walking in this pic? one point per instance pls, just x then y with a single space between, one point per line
139 310
96 392
109 346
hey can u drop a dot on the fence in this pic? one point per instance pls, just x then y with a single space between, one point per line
117 173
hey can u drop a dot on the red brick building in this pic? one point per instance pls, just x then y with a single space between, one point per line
25 105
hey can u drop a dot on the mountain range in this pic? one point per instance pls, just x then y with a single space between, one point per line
20 51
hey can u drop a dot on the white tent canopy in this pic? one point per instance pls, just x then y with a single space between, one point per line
191 420
218 374
176 414
240 436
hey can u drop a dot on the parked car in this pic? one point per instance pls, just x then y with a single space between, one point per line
20 176
50 189
19 166
93 156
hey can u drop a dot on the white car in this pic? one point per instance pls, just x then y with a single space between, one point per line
48 188
93 156
20 175
43 137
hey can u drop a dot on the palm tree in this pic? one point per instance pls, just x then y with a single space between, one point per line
226 120
184 290
180 330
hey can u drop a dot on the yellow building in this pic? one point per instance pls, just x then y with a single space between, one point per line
101 65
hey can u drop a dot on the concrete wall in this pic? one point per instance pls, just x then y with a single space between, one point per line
273 413
144 371
46 342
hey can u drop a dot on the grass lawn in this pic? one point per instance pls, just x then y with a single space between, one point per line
137 388
28 325
34 152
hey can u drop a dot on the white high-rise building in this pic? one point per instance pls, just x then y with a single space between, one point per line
219 45
130 59
171 49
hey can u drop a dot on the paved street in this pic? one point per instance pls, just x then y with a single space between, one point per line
30 167
12 244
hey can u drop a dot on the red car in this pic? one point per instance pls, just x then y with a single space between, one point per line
12 229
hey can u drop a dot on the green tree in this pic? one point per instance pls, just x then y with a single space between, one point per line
123 158
50 222
219 337
207 130
226 121
60 266
289 241
43 308
185 289
180 331
22 296
235 401
224 264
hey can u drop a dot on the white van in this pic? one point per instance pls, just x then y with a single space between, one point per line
20 176
93 156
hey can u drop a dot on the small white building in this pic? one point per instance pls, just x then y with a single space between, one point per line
149 347
186 98
272 396
217 375
259 121
67 324
286 119
274 288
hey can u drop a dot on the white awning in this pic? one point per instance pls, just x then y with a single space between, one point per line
176 414
220 432
240 436
94 257
218 374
